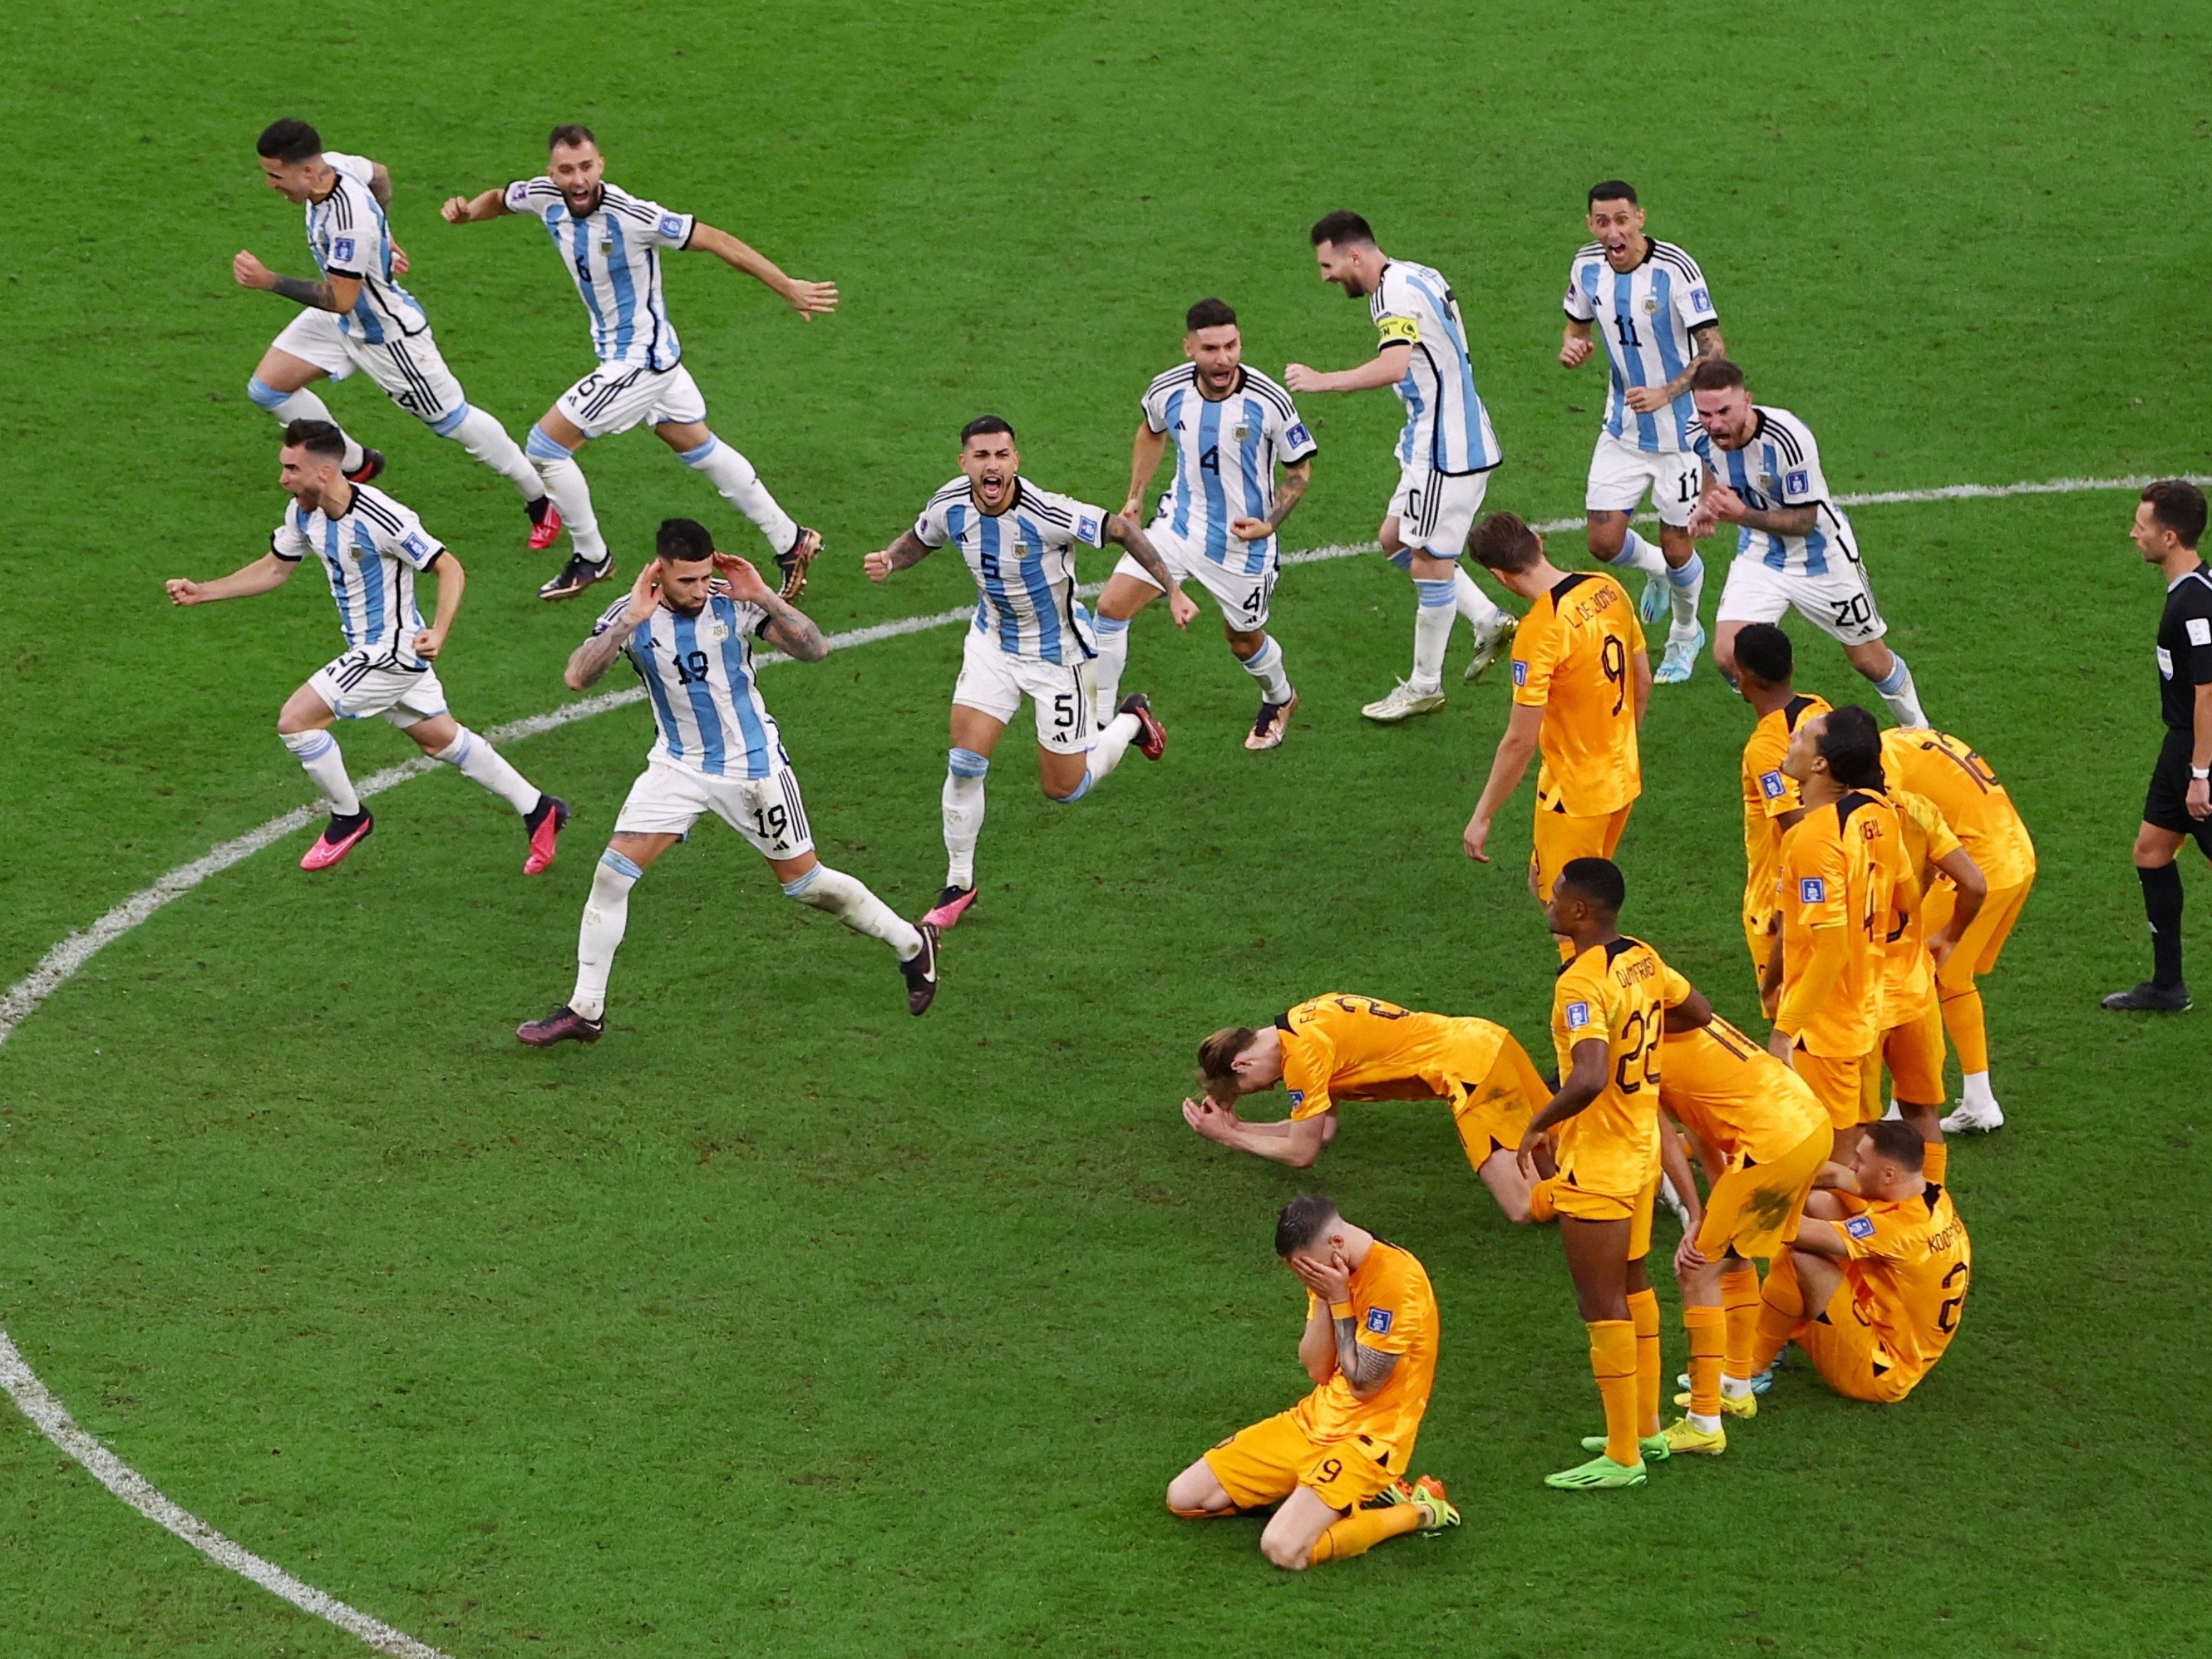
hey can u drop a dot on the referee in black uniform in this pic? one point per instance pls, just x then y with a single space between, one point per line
2169 522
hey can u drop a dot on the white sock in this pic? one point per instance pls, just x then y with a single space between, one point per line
1735 1388
486 440
963 814
1432 626
733 475
1482 615
1688 587
606 916
323 763
1974 1089
1106 751
1106 669
1703 1424
478 762
301 405
564 482
851 904
1266 666
1896 690
1636 554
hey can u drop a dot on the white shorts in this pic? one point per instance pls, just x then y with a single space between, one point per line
1839 602
616 396
361 684
667 799
1620 475
995 681
1243 599
1436 511
407 367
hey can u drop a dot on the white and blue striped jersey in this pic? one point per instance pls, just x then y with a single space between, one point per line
1645 315
613 256
1447 427
348 237
1781 467
1024 563
1226 457
700 676
370 552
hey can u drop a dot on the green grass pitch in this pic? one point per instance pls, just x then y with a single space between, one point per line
782 1323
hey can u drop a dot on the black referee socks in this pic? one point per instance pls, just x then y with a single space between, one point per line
2161 890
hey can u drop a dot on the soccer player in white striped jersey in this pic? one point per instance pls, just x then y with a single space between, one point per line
1031 638
356 316
1444 454
371 549
1232 426
610 243
1795 549
687 626
1649 301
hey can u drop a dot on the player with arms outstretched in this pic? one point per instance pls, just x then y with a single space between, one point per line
356 316
372 549
687 627
1031 638
610 243
1231 427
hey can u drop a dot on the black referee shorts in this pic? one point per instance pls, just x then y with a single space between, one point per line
2166 805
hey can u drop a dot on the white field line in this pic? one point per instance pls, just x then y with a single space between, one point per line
67 958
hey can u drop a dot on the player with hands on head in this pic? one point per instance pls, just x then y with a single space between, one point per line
370 548
1031 638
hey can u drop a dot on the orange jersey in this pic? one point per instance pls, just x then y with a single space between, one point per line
1908 981
1339 1046
1975 805
1396 1312
1573 658
1839 869
1617 992
1908 1267
1734 1095
1768 794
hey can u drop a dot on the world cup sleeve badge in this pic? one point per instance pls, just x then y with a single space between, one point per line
1378 1320
1860 1227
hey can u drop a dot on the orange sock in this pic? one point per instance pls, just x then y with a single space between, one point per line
1643 1315
1362 1530
1708 1331
1962 1018
1781 1311
1739 1300
1934 1162
1613 1361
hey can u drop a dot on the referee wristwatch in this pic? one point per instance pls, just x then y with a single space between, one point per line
2201 772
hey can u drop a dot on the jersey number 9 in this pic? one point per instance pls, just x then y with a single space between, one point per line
1613 657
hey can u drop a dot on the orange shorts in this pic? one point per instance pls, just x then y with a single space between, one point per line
1493 1113
1267 1462
1561 837
1914 1053
1586 1204
1753 1208
1986 935
1839 1084
1842 1349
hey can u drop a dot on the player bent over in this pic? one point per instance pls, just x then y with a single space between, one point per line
371 549
1031 638
1872 1287
1337 1047
1232 426
356 316
1444 454
687 627
1371 1347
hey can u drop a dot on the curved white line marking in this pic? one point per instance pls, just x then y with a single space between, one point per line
66 959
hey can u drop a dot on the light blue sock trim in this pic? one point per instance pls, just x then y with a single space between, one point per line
1403 558
1688 574
620 865
456 752
793 889
1893 681
1436 596
446 427
541 447
967 763
1111 624
1081 790
263 393
698 457
308 746
1265 658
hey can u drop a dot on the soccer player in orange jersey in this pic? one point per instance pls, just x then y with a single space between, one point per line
1911 1041
1872 1286
1339 1046
1608 1013
1580 684
1770 1136
1840 865
1989 826
1765 663
1370 1346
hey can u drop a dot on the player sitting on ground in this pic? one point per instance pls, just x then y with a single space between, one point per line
1765 661
687 626
1031 638
1371 1347
371 549
1872 1286
1337 1047
1232 426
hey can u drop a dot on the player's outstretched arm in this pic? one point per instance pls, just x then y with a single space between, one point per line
1289 492
809 300
1144 456
909 549
323 293
1386 368
1295 1142
453 582
789 629
1819 1237
465 210
1127 532
1507 768
264 575
589 661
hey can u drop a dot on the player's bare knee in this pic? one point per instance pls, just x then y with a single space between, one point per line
1245 646
1608 535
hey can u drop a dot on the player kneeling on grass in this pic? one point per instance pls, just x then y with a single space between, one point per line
687 627
1350 1048
371 549
1335 1461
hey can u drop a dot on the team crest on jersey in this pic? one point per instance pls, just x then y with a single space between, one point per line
1378 1320
672 224
718 630
1771 785
1812 889
1298 435
342 248
1860 1227
1578 1015
1242 433
1650 306
1797 482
